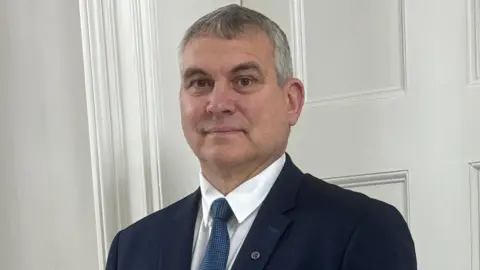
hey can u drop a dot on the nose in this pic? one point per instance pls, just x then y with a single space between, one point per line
222 100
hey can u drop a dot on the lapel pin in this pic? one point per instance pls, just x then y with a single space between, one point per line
255 255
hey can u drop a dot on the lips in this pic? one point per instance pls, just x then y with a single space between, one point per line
223 130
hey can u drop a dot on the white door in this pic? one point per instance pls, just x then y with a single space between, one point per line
392 108
388 109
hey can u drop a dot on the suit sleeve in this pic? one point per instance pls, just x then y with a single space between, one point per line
113 254
380 241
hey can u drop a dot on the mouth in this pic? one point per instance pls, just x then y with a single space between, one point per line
223 131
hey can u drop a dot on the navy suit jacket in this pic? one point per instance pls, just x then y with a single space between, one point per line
304 223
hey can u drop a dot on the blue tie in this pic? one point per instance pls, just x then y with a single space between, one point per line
218 247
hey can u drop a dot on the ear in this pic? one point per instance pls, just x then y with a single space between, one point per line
295 98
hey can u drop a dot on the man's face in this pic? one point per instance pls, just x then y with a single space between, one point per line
233 109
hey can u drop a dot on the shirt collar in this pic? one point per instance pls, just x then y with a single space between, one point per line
247 197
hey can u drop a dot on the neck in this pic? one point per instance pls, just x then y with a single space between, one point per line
225 178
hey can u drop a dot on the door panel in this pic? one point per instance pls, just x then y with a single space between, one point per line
362 54
389 187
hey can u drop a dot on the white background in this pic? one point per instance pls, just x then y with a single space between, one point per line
47 218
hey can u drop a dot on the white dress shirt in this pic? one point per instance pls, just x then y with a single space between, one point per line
245 201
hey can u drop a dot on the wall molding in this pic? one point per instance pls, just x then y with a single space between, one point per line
298 43
475 214
374 179
125 189
300 68
473 24
105 121
147 47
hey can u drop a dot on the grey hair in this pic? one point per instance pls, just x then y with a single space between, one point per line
232 20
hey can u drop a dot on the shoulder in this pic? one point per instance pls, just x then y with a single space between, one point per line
138 243
340 205
157 222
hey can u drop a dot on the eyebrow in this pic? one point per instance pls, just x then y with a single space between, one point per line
194 71
246 66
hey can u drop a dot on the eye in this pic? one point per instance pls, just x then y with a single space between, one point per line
244 81
200 83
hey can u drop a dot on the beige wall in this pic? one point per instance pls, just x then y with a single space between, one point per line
46 198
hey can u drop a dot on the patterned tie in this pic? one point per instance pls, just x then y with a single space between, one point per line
218 247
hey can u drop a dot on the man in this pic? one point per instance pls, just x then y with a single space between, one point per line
255 209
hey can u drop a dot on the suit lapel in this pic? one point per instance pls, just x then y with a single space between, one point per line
176 252
271 221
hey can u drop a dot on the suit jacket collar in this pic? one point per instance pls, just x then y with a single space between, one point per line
271 221
176 251
269 225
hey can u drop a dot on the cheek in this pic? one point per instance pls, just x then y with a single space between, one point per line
191 112
266 109
260 116
191 105
267 118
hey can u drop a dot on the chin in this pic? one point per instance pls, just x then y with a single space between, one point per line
226 155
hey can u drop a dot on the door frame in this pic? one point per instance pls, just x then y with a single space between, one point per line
124 114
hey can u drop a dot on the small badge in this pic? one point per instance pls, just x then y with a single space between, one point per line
255 255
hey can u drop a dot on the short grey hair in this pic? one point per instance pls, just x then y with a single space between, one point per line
230 21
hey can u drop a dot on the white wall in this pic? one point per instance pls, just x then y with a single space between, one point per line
46 198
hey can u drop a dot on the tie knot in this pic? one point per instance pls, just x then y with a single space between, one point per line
221 210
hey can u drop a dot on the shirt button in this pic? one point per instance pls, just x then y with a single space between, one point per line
255 255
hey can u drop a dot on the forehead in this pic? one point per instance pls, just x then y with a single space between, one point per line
211 52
